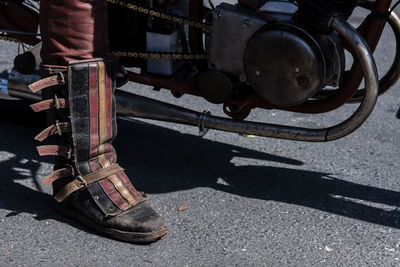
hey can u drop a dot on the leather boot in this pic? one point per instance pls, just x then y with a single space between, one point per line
88 183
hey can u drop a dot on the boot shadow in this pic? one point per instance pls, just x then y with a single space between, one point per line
21 190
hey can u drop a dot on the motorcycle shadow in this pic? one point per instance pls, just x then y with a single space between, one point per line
161 160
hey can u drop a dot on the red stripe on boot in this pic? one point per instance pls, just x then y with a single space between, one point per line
94 164
111 155
128 184
113 194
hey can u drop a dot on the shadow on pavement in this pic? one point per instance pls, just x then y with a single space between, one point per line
160 160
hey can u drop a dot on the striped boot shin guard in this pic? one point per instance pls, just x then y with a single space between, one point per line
88 183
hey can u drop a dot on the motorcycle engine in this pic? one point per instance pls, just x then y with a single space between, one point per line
283 61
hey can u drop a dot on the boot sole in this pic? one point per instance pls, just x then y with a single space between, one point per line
132 237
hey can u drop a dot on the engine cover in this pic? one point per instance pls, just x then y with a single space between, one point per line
284 64
233 26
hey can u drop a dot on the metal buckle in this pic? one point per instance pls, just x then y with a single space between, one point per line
58 128
61 79
69 153
56 103
202 120
80 178
72 169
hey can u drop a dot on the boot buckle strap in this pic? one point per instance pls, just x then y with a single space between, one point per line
57 174
58 128
54 80
57 103
54 150
81 182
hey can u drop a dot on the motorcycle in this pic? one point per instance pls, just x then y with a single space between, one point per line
253 54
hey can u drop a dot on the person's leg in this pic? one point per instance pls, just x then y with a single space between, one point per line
78 88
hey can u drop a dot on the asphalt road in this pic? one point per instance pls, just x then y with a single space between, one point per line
250 201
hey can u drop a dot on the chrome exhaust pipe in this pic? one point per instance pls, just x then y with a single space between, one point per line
23 74
15 86
18 86
391 76
143 107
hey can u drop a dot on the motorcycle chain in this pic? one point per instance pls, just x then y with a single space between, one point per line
143 55
206 27
162 55
151 55
8 38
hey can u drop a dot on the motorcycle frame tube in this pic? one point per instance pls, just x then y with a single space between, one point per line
371 30
391 76
196 35
24 31
143 107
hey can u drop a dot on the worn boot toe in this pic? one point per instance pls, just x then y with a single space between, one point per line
139 224
139 219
